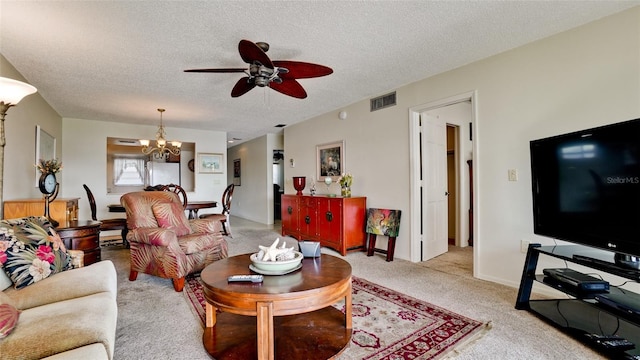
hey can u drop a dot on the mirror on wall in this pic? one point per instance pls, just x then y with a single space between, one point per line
128 169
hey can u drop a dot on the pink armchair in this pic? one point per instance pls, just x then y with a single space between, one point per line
164 242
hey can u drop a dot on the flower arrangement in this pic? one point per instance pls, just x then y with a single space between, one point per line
346 180
49 166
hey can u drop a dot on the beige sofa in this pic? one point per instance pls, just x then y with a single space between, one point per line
69 315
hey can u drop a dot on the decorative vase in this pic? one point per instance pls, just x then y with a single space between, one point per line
299 182
345 191
328 180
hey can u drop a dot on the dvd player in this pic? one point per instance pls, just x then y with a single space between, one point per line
628 302
576 280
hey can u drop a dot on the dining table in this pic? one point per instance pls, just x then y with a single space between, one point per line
192 207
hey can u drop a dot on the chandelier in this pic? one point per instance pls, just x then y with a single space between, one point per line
162 149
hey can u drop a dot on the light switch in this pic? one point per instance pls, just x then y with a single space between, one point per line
513 174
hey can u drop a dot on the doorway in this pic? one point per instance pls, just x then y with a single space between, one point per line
452 189
278 182
430 195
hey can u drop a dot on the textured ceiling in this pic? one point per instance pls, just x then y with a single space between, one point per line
121 60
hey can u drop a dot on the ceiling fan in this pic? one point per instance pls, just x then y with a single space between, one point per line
280 75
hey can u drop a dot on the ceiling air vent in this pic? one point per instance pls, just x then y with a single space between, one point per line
383 101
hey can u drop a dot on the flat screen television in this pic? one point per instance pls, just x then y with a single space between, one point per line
586 188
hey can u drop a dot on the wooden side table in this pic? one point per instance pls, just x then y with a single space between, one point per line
287 317
82 235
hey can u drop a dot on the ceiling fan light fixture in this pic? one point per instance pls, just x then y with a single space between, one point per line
162 149
279 75
261 81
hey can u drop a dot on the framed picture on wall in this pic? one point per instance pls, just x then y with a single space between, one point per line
330 160
236 172
45 148
209 163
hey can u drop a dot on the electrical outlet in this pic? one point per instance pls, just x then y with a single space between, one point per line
513 174
524 246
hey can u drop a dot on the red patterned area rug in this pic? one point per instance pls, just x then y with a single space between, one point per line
388 325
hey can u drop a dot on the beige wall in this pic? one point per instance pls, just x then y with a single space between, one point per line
582 78
81 145
20 132
85 157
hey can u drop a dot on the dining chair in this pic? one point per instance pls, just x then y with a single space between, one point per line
107 224
223 217
182 194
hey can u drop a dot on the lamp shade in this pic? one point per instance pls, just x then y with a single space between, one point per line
12 91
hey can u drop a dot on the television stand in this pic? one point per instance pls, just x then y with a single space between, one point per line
582 316
607 266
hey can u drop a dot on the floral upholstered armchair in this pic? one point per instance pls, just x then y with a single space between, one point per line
164 242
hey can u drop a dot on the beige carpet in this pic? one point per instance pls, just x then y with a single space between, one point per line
386 324
155 322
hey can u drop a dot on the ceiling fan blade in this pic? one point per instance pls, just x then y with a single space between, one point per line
242 86
302 70
289 87
222 70
250 53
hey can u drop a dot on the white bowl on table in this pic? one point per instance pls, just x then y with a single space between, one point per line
277 266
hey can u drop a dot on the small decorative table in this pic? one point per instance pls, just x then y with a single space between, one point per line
82 235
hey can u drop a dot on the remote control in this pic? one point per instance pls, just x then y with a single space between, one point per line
620 344
245 278
611 342
601 338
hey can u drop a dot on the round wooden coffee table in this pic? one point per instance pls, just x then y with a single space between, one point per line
294 318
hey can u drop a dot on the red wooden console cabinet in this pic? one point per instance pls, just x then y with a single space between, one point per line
336 222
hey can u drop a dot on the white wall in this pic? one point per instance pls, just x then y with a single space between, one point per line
582 78
85 157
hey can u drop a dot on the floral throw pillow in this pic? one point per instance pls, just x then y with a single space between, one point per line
171 216
31 250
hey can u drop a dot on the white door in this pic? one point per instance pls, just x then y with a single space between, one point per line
434 182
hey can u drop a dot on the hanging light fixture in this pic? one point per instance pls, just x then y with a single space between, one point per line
161 142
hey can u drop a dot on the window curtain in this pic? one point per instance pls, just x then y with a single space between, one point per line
128 171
